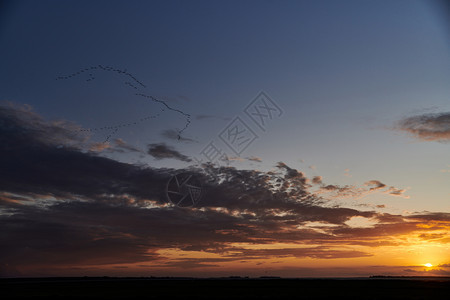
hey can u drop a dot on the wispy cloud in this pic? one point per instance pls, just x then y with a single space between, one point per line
163 151
427 127
121 144
376 185
254 158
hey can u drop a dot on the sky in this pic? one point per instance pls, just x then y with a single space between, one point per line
224 138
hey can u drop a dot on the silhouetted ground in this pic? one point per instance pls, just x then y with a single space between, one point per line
226 288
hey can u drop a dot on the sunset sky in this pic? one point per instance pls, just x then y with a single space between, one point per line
316 133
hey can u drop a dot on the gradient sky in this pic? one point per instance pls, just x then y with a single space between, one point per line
360 145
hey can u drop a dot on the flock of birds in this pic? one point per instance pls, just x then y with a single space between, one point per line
104 68
116 127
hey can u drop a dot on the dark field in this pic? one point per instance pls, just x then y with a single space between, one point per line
147 288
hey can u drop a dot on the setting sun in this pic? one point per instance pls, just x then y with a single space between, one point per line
428 265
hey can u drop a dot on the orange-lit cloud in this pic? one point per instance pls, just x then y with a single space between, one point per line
81 213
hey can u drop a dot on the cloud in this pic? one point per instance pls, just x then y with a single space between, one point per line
47 158
64 207
88 234
292 173
173 135
347 173
118 145
317 180
447 170
339 191
162 151
432 236
397 192
122 146
55 133
227 158
431 216
393 191
254 158
427 127
377 185
73 235
346 191
99 147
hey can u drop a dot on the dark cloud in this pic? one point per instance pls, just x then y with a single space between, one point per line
53 133
430 216
173 135
162 151
292 173
86 233
45 158
427 127
62 206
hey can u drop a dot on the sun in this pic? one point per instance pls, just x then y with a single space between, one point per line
428 265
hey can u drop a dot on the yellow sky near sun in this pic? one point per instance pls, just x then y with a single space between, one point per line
414 253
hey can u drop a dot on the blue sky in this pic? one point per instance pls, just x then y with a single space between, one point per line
344 73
